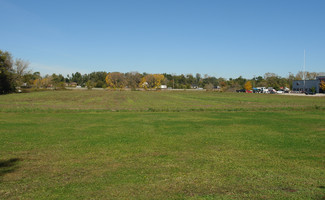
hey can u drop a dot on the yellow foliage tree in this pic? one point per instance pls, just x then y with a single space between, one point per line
37 83
151 81
143 83
158 78
322 85
248 85
46 82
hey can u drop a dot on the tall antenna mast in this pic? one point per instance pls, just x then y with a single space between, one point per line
305 70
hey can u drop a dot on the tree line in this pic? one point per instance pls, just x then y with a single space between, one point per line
15 73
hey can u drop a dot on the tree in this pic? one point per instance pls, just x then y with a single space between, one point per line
133 79
273 80
143 83
210 80
307 75
36 75
198 77
98 79
290 79
57 81
90 85
77 77
158 79
7 79
322 86
100 84
190 79
21 69
209 87
115 80
37 82
248 85
240 81
85 79
313 90
151 81
46 81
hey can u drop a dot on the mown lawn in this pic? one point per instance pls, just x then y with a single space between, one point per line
155 101
161 145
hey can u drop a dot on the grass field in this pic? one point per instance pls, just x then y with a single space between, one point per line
161 145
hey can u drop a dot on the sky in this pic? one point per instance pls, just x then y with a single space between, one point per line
221 38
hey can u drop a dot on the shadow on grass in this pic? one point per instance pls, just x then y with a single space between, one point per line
8 166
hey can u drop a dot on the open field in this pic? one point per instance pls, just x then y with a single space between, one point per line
161 145
155 101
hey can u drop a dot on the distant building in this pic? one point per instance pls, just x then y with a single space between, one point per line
72 84
145 84
307 85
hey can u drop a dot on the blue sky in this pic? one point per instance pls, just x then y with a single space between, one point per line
222 38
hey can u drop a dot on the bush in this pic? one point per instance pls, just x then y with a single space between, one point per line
209 87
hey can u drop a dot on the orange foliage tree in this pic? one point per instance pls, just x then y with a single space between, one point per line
248 85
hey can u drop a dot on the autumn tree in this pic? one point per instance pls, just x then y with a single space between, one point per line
143 83
46 81
37 83
248 85
36 79
152 80
159 78
322 86
115 80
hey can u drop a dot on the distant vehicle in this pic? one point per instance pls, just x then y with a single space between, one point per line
310 92
262 90
241 90
280 92
256 90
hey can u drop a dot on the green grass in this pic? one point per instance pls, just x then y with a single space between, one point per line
154 101
161 145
